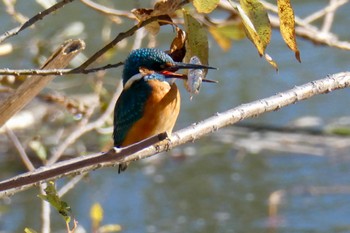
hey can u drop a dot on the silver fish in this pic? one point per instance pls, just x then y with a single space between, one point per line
194 77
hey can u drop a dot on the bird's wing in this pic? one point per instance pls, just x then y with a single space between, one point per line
128 110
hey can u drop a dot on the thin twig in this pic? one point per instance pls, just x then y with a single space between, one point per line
108 11
87 163
70 185
33 20
329 18
10 9
318 14
58 72
13 138
116 40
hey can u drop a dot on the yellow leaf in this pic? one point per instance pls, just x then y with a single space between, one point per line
197 39
234 31
224 34
251 31
258 16
223 41
269 59
287 26
96 215
205 6
29 230
110 228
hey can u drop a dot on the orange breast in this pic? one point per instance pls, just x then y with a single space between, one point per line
161 111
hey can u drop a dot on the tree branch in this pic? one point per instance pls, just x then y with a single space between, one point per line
82 67
121 36
112 158
33 20
57 72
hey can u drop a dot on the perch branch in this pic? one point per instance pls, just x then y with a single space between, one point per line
112 158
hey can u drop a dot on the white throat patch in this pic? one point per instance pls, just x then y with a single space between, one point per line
131 80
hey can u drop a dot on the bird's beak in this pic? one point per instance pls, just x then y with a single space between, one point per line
169 72
181 65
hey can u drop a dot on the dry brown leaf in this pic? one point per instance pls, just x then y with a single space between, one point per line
178 48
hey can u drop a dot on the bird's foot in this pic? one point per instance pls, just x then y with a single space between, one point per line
167 143
117 150
122 167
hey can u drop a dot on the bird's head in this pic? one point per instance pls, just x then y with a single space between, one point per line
154 60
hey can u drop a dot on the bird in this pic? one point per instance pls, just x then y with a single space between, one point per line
149 103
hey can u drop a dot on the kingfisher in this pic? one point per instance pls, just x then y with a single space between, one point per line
150 101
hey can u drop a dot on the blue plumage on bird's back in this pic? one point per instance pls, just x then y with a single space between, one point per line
129 109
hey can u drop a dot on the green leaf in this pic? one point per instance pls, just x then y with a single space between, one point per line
205 6
340 131
52 197
287 26
197 39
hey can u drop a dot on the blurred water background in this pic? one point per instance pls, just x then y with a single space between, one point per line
210 185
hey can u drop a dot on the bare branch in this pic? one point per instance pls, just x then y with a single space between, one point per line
108 11
330 8
10 9
58 72
112 158
70 185
116 40
33 20
11 135
329 18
